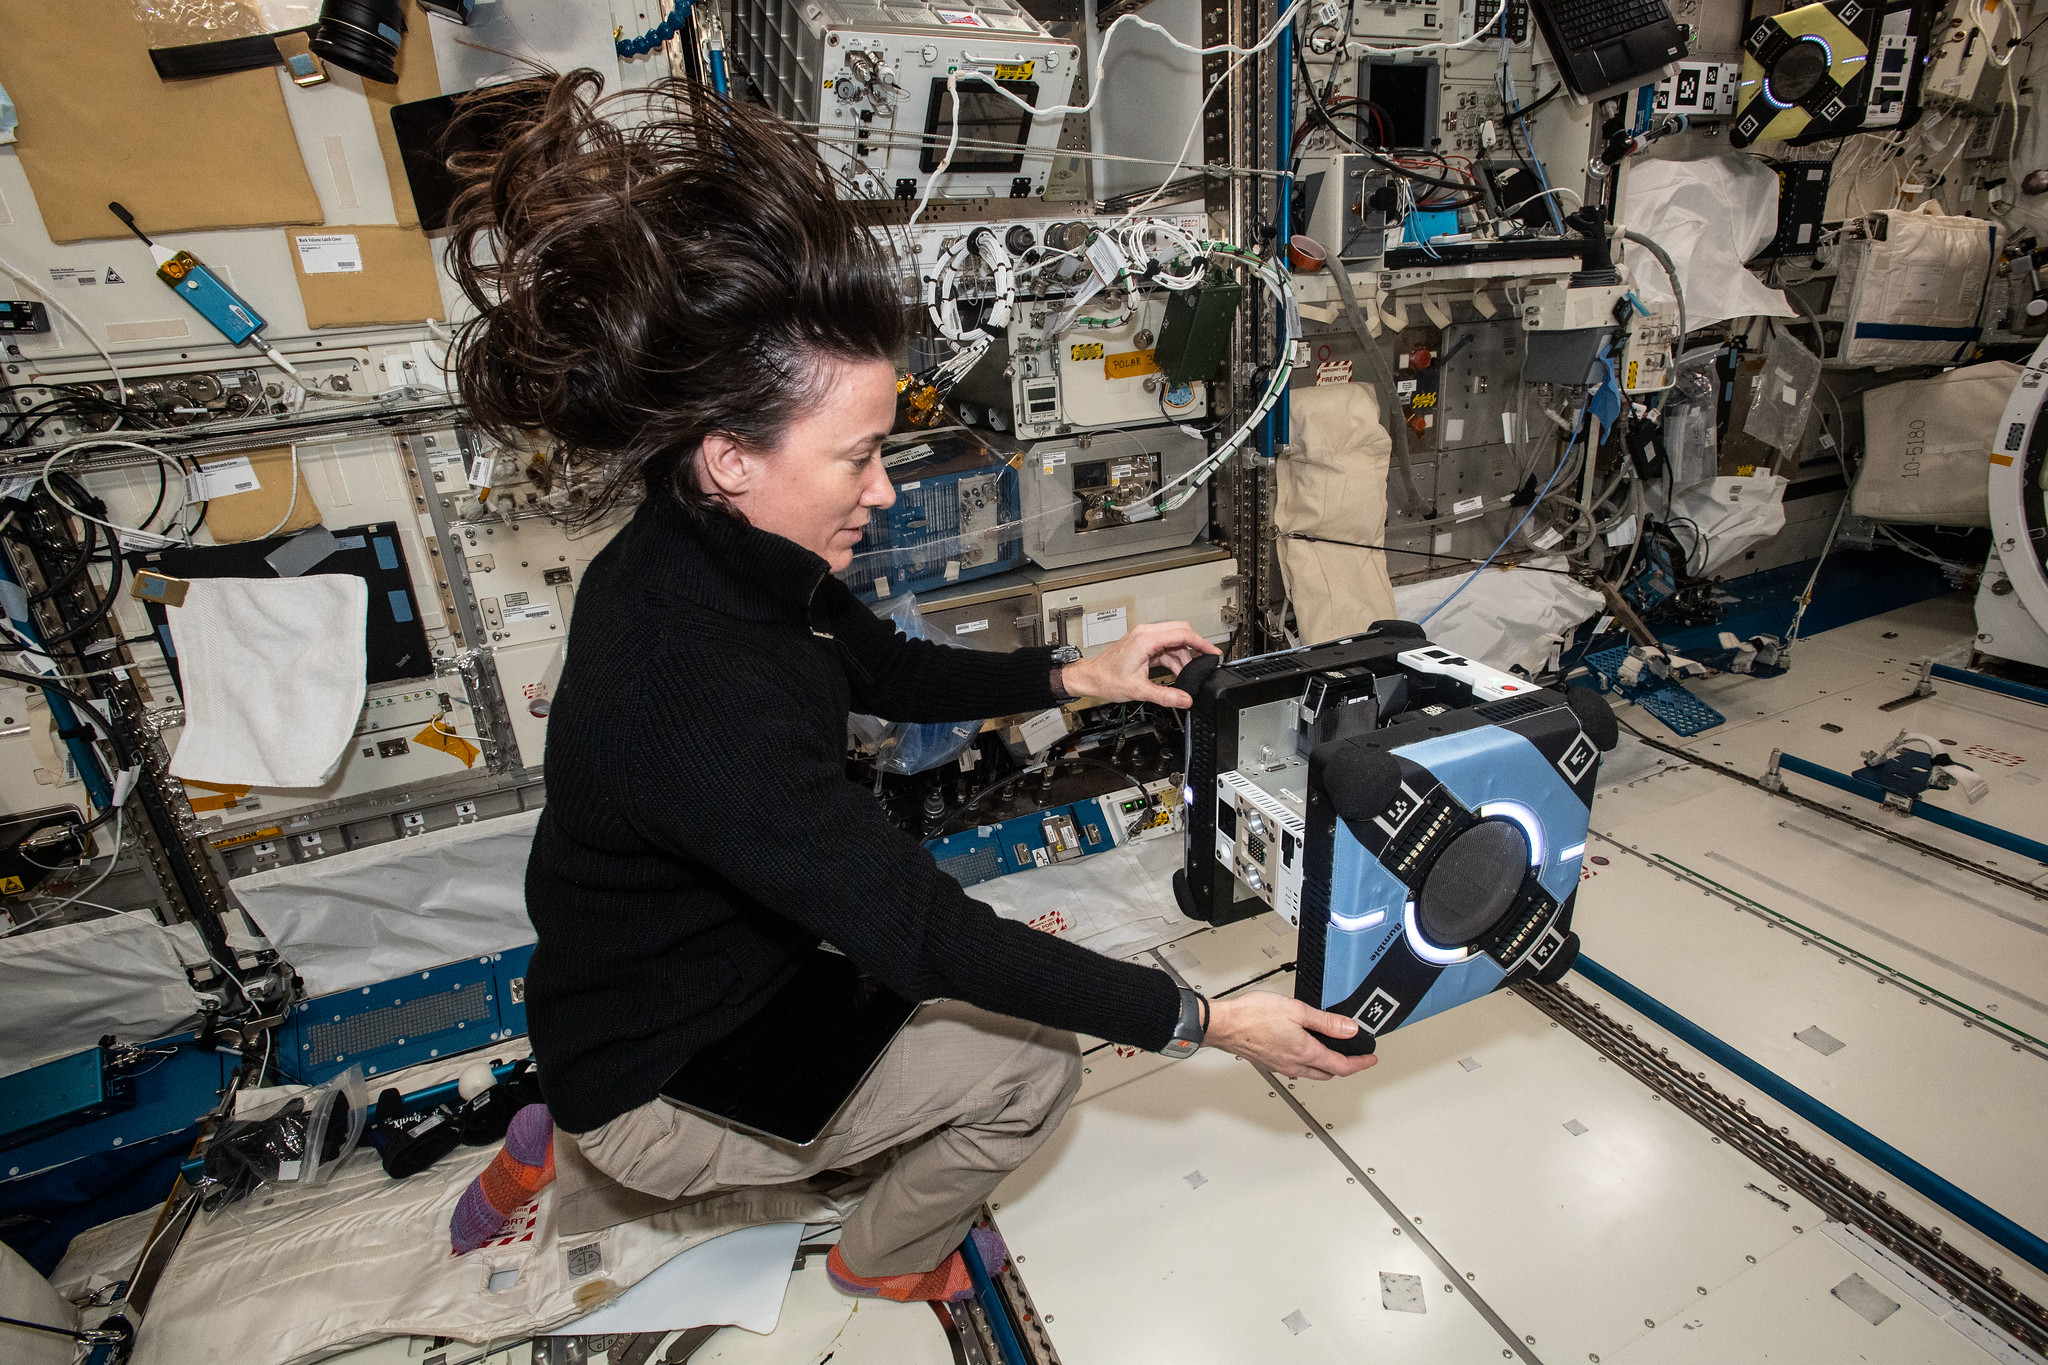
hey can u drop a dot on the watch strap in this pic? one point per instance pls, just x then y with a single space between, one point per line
1193 1026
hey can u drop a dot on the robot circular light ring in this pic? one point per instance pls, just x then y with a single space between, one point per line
1524 817
1424 949
1770 94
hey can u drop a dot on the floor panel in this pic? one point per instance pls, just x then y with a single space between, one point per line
1185 1215
1785 1309
1582 1203
1922 1210
1951 1094
1827 709
1981 942
1218 960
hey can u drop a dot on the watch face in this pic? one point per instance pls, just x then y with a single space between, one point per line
1066 654
1181 1047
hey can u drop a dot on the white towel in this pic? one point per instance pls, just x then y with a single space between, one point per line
273 676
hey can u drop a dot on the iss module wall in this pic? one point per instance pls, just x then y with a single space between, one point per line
1468 373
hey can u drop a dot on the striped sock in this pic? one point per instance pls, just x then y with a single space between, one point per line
521 1169
948 1282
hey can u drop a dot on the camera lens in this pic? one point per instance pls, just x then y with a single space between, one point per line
361 36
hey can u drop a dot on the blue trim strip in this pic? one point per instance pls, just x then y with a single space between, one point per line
1855 786
1977 829
1007 1345
1273 431
1933 815
1979 1215
82 753
1906 331
1969 678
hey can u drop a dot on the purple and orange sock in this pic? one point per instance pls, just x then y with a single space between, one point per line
522 1168
948 1282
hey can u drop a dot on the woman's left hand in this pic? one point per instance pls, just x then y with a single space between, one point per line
1123 672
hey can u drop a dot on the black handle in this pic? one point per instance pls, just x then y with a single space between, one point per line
1359 1044
125 216
1593 249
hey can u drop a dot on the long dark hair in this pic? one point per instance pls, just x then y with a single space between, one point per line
651 267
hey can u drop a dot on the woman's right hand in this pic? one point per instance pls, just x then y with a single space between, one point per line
1273 1031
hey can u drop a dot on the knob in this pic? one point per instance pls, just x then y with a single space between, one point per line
1066 236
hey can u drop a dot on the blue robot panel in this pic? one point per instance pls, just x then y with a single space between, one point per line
1421 817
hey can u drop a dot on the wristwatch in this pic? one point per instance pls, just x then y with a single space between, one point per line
1062 655
1192 1028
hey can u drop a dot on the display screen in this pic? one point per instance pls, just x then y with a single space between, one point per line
1405 93
424 144
986 118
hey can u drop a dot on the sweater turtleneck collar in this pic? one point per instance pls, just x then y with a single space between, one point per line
719 561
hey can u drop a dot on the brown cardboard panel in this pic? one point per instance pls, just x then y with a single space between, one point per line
256 514
98 124
396 282
418 79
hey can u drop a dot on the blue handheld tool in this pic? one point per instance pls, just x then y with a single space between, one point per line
231 315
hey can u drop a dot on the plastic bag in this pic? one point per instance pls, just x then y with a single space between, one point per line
178 23
300 1142
1691 414
903 747
1784 394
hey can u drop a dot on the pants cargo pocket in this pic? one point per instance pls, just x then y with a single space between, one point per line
656 1148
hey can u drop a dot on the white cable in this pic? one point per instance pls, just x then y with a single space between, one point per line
1509 212
1190 482
291 506
939 285
120 388
1187 144
1986 25
120 816
139 533
1095 93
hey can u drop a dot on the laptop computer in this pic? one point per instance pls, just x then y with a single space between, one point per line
789 1070
1606 45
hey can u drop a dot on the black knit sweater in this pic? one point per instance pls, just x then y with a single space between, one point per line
701 834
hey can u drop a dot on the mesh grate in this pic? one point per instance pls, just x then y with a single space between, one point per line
1681 712
1255 849
373 1030
978 866
1512 708
1268 667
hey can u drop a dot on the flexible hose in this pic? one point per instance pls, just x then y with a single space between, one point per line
1677 289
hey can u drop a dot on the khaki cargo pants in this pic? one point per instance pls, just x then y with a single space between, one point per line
972 1094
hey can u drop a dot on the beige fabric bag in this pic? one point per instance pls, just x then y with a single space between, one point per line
1917 279
1926 442
1335 486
